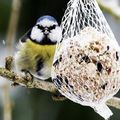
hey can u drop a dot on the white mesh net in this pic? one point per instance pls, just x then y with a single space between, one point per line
83 13
86 64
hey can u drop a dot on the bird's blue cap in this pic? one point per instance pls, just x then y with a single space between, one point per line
46 17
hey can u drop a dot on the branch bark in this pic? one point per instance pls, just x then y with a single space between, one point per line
13 23
111 7
7 107
44 85
114 102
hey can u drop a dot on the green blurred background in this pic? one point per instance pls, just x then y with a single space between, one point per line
33 104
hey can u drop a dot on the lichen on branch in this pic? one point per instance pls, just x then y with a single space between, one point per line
12 76
39 84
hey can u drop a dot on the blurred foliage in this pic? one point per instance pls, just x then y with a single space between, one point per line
5 7
32 10
33 104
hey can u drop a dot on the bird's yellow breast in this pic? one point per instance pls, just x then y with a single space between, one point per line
37 49
31 52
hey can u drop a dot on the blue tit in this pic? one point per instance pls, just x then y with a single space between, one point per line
37 47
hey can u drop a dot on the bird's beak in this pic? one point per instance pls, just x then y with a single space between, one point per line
46 31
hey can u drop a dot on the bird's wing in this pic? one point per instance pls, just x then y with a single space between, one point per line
26 36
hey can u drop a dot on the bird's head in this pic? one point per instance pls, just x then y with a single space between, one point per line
46 31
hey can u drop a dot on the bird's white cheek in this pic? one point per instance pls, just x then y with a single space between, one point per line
56 35
36 34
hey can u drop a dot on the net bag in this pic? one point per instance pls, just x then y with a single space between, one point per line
86 67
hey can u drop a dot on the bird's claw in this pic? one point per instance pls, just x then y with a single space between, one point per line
28 77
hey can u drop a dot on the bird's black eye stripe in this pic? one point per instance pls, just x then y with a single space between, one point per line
52 27
40 27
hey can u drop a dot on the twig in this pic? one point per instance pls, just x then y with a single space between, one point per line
114 102
14 17
6 93
110 6
15 13
44 85
8 63
6 103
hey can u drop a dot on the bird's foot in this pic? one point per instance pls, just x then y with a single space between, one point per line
28 77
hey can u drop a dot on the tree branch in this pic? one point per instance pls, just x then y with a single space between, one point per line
7 107
39 84
114 102
13 23
110 6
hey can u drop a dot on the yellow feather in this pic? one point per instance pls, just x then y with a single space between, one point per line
30 52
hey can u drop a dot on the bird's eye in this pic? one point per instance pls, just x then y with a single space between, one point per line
40 27
52 27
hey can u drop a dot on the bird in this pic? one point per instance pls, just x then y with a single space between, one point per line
37 47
